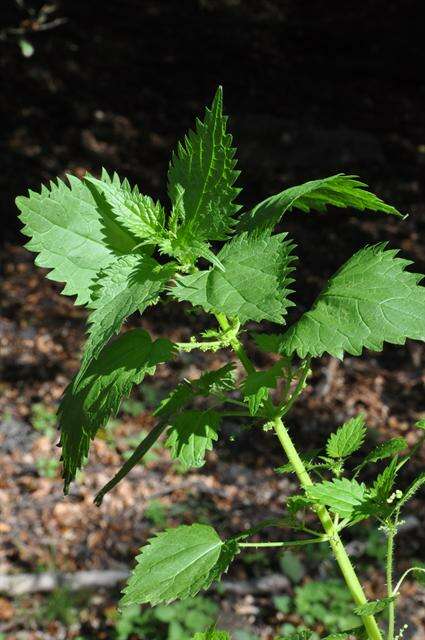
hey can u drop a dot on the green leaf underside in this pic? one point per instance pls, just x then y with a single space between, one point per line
254 285
385 450
341 495
175 564
257 384
137 213
338 191
347 439
374 606
90 400
191 435
204 167
130 284
369 301
267 342
219 380
72 234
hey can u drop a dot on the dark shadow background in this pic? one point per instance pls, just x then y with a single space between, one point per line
312 89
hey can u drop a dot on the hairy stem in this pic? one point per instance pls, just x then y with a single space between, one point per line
293 543
390 557
135 458
236 344
405 574
335 542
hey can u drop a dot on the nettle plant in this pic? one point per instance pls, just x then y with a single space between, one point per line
119 252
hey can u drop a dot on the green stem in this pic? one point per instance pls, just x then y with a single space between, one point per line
285 406
235 344
335 542
206 345
390 562
134 459
405 574
293 543
338 549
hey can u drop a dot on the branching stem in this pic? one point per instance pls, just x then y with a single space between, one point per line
335 542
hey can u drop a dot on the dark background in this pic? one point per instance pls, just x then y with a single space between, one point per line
312 89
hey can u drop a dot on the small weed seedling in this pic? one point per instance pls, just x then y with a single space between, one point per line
118 251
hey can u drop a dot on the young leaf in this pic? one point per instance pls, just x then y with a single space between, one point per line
130 284
191 435
254 285
369 301
71 234
257 384
385 450
374 606
174 564
204 167
218 381
297 503
339 191
308 460
384 483
138 214
420 424
348 438
341 495
92 398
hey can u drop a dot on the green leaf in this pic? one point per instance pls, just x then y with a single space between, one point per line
204 167
227 554
257 384
174 564
420 424
218 381
178 398
212 635
374 606
384 483
339 191
130 284
191 435
72 235
138 214
348 438
254 285
299 635
267 342
308 460
297 503
341 495
369 301
385 450
92 398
